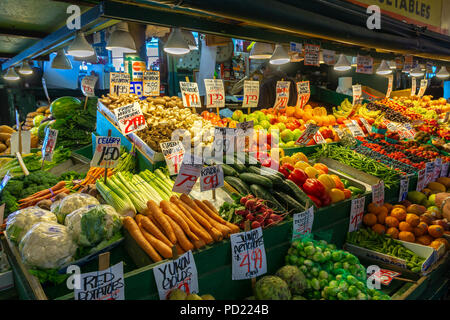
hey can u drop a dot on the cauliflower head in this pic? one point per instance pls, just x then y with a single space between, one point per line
73 202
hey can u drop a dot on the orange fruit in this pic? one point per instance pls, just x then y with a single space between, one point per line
393 232
369 219
435 231
391 222
425 240
412 219
382 216
406 236
419 230
398 213
373 208
405 226
444 241
379 228
435 245
388 206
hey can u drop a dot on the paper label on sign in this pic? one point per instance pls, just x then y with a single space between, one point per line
282 98
151 84
423 87
308 134
48 146
26 142
107 152
318 138
312 55
384 276
302 223
5 180
406 131
366 124
130 118
356 92
215 93
444 169
303 93
420 180
88 85
413 86
187 177
119 83
356 213
107 284
211 177
437 169
248 254
390 83
378 193
224 140
190 95
364 64
180 273
295 47
404 186
251 94
329 57
355 129
173 152
338 130
429 172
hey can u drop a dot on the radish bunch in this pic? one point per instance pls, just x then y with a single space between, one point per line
256 211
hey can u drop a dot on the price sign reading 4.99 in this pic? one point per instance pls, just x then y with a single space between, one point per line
190 95
173 152
107 152
282 98
211 178
251 94
88 85
248 254
215 93
356 213
130 118
48 146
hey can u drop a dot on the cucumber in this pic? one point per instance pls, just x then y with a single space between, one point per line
298 193
253 178
259 192
238 184
271 171
251 160
229 171
277 181
290 202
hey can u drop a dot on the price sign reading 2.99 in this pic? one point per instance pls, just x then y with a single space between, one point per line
282 97
107 152
130 118
211 178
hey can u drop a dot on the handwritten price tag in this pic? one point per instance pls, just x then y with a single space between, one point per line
224 140
390 83
48 146
248 254
303 93
88 85
130 118
420 180
437 169
338 131
211 178
173 152
356 213
404 186
180 274
308 134
355 129
366 124
303 223
187 177
215 93
385 276
413 86
378 193
107 152
282 97
356 92
423 87
312 55
119 83
251 94
318 138
444 169
429 172
190 95
151 83
364 64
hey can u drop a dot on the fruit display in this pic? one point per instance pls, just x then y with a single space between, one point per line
425 106
178 294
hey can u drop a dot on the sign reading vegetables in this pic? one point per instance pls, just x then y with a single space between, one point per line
130 118
251 94
190 95
151 83
119 83
215 93
107 152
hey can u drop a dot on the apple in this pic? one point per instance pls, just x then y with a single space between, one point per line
297 133
281 126
287 135
237 114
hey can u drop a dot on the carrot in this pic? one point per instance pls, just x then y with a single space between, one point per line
167 208
198 243
234 228
159 246
38 194
210 205
148 225
180 250
137 235
162 219
32 202
184 243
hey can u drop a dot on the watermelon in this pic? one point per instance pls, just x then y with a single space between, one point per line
61 107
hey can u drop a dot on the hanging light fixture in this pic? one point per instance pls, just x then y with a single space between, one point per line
176 44
279 56
383 68
416 72
80 47
342 64
261 50
121 39
11 75
189 38
392 64
60 61
25 68
443 73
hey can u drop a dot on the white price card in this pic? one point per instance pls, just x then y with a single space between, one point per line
338 130
366 124
190 95
318 138
119 83
108 284
308 134
378 193
48 146
429 172
312 55
302 223
173 152
295 47
355 129
364 64
390 83
437 169
251 94
26 142
329 56
356 93
88 85
420 180
423 87
224 140
248 254
151 84
303 93
211 177
107 152
187 177
356 213
180 273
404 186
282 95
444 169
215 93
413 86
130 118
4 182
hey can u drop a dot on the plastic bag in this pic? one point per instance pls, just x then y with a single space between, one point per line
73 202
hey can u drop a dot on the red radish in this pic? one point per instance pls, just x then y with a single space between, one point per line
250 217
260 218
242 225
269 221
241 212
250 204
246 198
275 217
255 224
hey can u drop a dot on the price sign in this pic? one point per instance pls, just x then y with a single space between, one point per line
48 146
390 83
338 130
130 118
444 169
303 93
88 85
107 152
385 276
404 186
356 213
5 180
173 152
413 86
107 284
251 94
420 180
423 87
302 223
119 83
137 88
282 98
190 95
211 178
378 193
295 47
355 129
180 273
308 134
329 57
248 254
215 93
429 172
364 64
318 138
312 55
151 83
366 124
26 142
437 169
356 92
224 140
187 177
406 131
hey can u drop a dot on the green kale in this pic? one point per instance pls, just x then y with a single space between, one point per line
14 187
10 202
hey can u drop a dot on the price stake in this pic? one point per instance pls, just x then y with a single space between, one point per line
444 169
390 83
211 177
356 213
251 94
5 180
173 152
105 284
130 118
187 177
420 180
88 85
404 187
25 138
364 64
302 223
385 276
248 254
180 273
312 55
119 83
190 95
366 124
423 87
356 92
107 152
151 84
282 97
413 86
48 146
378 193
308 134
303 93
318 138
429 172
437 169
215 93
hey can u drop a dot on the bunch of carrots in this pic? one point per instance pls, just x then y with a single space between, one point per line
180 222
29 201
92 175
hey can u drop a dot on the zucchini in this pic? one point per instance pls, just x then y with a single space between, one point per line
251 160
238 184
229 171
271 171
298 193
290 202
236 164
253 178
259 192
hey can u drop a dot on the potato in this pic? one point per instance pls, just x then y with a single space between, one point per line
41 109
5 136
167 98
159 101
171 104
3 147
32 115
6 129
8 143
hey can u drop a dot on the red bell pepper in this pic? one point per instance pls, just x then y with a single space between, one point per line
325 199
314 187
298 176
316 201
286 169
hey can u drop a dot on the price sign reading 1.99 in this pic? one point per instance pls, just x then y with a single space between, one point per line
211 178
119 83
107 152
251 94
215 93
190 95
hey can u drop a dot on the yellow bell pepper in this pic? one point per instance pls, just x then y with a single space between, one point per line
336 195
299 156
287 159
311 172
327 181
301 165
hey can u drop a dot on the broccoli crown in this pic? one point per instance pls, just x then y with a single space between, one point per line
40 178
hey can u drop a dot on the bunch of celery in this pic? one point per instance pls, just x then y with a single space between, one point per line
160 182
127 161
